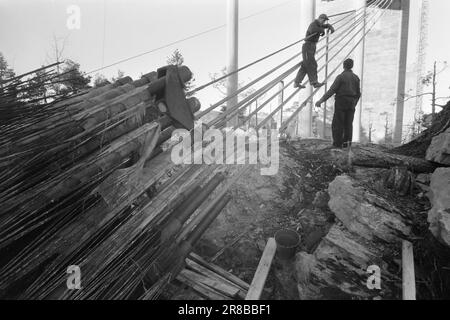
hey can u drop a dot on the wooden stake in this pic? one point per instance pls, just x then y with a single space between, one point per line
257 286
409 279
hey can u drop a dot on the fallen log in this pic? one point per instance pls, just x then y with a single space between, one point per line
374 158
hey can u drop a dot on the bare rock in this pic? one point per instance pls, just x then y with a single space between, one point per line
400 180
439 215
304 267
439 150
423 182
338 268
365 213
424 178
313 239
321 200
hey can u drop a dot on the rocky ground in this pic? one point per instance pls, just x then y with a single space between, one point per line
352 209
348 217
294 199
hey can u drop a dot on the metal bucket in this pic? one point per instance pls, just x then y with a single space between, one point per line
287 243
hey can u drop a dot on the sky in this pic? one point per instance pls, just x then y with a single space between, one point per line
439 44
112 30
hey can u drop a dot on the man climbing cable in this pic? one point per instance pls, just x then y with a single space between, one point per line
347 91
309 63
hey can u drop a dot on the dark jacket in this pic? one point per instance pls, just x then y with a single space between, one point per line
347 85
315 31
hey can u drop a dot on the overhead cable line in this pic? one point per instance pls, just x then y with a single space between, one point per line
255 62
285 125
250 99
186 38
216 105
292 81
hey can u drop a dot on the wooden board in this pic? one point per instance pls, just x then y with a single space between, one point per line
220 271
259 280
213 275
409 278
217 285
202 289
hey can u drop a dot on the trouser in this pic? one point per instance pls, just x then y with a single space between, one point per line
342 126
309 63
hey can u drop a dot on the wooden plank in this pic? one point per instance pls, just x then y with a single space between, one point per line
257 285
220 271
409 278
212 275
215 284
202 289
191 264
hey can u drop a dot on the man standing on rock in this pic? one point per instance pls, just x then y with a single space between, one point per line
347 91
309 63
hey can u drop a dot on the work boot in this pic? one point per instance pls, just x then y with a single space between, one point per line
317 85
298 85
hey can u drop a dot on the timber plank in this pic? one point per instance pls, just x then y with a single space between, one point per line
220 271
259 280
409 279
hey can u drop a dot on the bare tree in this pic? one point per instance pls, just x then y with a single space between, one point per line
430 79
58 45
221 86
387 127
370 126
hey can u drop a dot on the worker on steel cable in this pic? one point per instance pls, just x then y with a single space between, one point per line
347 91
309 63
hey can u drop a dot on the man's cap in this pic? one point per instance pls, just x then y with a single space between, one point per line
324 17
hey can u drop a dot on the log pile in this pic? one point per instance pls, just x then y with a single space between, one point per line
85 182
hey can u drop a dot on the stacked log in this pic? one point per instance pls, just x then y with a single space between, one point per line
89 185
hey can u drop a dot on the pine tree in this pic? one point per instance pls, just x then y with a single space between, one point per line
100 81
176 58
5 71
72 79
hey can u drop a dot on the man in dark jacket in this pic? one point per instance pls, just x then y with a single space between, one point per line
309 63
347 91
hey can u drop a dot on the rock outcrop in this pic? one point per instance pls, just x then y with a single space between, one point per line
439 215
439 150
338 269
367 235
364 213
